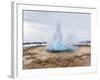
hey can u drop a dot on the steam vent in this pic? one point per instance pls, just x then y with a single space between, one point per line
57 44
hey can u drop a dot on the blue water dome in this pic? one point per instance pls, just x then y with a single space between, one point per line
57 44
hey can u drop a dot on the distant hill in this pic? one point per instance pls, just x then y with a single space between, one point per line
84 43
34 43
87 41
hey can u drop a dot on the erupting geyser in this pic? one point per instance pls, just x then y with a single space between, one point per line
57 44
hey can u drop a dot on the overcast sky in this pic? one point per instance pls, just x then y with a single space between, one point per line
40 26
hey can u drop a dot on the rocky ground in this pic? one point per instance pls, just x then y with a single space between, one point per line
39 57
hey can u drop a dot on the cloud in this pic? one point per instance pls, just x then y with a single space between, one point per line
35 32
40 25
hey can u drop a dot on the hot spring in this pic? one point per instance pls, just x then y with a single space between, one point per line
57 44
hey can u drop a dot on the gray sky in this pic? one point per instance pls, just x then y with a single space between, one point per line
40 26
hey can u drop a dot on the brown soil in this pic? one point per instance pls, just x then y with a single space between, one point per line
39 57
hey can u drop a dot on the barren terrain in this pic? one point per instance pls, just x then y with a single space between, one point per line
39 57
